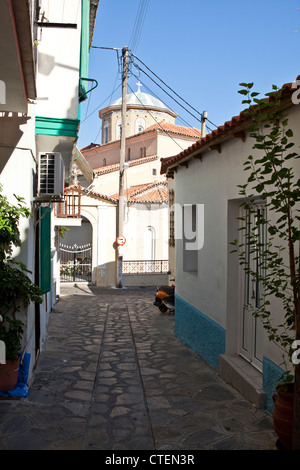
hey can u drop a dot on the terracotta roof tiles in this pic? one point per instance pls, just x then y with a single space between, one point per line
219 135
174 128
115 167
146 193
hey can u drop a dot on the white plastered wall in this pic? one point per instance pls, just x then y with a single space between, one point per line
58 61
213 182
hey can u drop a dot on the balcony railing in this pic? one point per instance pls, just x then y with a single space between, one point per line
143 267
71 206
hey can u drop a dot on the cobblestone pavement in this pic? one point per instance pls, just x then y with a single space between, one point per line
112 376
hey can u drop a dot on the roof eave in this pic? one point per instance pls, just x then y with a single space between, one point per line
93 13
237 127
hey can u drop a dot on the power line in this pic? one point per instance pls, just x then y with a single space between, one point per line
138 19
197 131
167 86
138 25
155 118
141 70
87 108
114 89
96 109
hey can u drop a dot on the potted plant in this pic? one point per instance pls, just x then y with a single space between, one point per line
273 182
11 332
16 290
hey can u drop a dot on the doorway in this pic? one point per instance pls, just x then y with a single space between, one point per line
251 344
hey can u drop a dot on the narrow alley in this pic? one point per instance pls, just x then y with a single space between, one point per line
112 376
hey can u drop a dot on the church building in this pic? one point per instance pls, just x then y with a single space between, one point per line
143 110
151 131
151 134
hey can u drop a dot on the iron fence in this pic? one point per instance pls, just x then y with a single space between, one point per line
148 266
75 263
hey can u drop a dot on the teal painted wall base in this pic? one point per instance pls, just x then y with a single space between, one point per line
271 373
200 333
207 339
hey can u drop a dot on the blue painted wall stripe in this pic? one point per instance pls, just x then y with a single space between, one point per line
200 333
271 374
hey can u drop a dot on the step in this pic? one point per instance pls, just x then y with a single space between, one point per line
244 377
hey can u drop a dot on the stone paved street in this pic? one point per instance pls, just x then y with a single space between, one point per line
112 376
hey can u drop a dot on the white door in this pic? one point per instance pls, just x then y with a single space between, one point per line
251 327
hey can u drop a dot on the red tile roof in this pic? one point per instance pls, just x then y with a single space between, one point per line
168 127
115 167
230 129
146 193
91 193
156 192
89 147
162 126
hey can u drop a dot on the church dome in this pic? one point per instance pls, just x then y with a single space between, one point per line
142 111
140 100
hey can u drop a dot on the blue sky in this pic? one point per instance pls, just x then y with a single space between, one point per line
201 50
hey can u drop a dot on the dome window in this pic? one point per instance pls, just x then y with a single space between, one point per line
119 128
140 125
106 129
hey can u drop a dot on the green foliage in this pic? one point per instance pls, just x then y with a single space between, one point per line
272 182
16 288
11 332
9 221
62 231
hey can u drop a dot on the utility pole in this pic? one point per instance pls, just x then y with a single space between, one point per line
203 121
120 220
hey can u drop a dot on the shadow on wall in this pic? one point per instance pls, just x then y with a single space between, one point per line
10 134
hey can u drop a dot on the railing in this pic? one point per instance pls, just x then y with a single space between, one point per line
71 205
142 267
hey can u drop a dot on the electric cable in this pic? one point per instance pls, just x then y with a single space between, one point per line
197 131
99 106
178 115
88 105
148 111
114 89
140 70
138 25
195 117
110 98
170 88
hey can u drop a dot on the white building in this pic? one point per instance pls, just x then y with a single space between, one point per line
210 315
44 49
151 134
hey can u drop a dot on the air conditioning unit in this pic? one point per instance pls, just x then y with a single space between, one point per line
51 176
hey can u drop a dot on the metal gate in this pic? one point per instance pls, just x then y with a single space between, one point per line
75 263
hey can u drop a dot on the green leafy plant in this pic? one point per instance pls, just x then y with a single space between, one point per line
11 332
16 288
9 220
62 231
